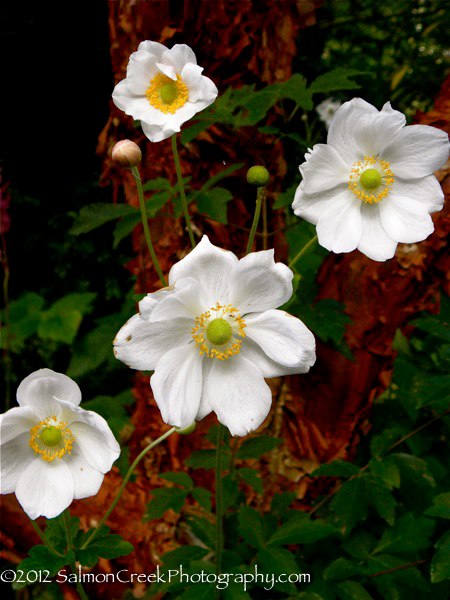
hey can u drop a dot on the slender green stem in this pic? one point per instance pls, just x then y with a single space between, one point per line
44 539
219 501
264 217
303 251
259 198
184 204
79 586
124 483
148 238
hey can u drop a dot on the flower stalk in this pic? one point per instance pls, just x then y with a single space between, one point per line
260 195
124 483
219 501
148 238
303 251
184 204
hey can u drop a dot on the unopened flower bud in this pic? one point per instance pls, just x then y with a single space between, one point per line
187 430
126 154
258 175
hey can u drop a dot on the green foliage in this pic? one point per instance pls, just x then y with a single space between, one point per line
104 545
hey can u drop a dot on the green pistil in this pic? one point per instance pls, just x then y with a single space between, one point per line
168 93
50 436
219 332
370 179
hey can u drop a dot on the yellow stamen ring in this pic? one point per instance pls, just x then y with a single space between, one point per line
371 179
167 95
51 439
219 332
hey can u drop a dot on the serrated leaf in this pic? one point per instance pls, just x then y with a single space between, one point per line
179 478
408 534
295 89
95 215
441 506
203 497
341 568
250 526
204 530
277 561
183 554
301 529
250 476
351 590
387 470
338 79
414 467
336 468
163 500
351 502
213 203
60 327
108 545
257 446
381 499
40 558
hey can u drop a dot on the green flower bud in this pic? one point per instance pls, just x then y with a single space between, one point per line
258 175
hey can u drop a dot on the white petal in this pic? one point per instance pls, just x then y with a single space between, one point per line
405 220
17 420
150 301
178 56
312 206
339 227
87 479
268 367
375 242
192 77
374 131
140 71
140 343
417 151
343 125
15 456
284 338
168 70
45 488
324 169
177 385
427 191
156 133
41 387
94 440
209 92
183 301
240 397
154 48
137 107
175 120
258 283
211 267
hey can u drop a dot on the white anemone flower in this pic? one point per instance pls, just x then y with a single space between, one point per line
327 109
163 88
372 185
214 334
51 450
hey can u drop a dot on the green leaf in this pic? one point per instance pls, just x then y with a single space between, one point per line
341 568
179 478
441 506
92 216
213 203
183 554
250 526
163 500
295 89
157 184
351 590
40 558
408 534
440 566
190 133
24 317
230 491
281 502
113 410
257 446
56 531
414 467
285 198
250 476
277 561
203 497
338 79
62 320
336 468
351 502
301 529
387 470
206 459
381 499
105 545
204 530
221 175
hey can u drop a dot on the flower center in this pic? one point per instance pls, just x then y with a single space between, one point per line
167 95
51 439
371 179
219 332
